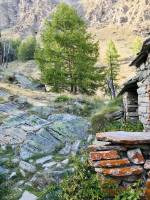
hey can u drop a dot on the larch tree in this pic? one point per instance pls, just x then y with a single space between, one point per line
137 45
67 54
112 59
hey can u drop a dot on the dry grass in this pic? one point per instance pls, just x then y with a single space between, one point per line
123 38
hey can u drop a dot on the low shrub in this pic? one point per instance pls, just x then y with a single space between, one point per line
63 98
131 193
105 121
83 184
26 49
103 118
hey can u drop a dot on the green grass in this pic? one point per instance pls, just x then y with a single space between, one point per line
2 100
62 98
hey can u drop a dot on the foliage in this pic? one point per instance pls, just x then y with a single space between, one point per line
103 120
137 45
4 188
131 193
26 49
112 59
83 184
68 55
63 98
124 126
14 44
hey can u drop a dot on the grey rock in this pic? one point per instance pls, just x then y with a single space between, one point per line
62 129
43 112
27 167
49 165
28 196
65 162
66 150
41 180
44 159
22 173
3 171
15 160
75 146
13 174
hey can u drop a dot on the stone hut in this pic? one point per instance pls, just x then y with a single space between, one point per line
136 92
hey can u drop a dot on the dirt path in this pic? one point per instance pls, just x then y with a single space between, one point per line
37 98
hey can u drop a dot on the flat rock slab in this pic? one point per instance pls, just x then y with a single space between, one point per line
121 172
122 137
112 163
95 147
104 155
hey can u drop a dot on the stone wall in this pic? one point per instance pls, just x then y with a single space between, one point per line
130 101
144 95
122 157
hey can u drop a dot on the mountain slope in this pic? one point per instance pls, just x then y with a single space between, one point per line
27 16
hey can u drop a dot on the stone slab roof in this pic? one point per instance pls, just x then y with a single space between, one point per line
142 55
122 137
130 85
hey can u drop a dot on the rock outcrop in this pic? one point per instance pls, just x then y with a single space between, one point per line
26 16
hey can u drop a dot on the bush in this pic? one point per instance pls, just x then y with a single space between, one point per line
62 98
27 49
102 119
14 44
82 185
4 187
131 193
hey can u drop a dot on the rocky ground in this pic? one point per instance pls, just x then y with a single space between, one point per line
38 133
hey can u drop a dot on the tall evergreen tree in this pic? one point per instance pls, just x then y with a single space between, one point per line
68 55
112 59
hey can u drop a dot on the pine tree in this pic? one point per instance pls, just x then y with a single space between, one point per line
112 59
68 55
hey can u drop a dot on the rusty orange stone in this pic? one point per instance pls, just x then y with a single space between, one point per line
148 183
112 163
104 155
147 194
121 172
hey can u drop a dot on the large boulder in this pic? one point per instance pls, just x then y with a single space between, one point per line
59 130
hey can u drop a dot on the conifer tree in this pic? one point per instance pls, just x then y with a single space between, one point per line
68 55
112 59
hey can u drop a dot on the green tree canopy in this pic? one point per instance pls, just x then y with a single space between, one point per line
68 55
26 49
112 59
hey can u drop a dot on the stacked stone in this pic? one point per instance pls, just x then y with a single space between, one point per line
144 95
130 101
123 157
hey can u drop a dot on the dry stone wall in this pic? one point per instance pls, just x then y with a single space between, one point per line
144 94
122 157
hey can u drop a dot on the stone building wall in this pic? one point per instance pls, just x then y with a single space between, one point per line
144 95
